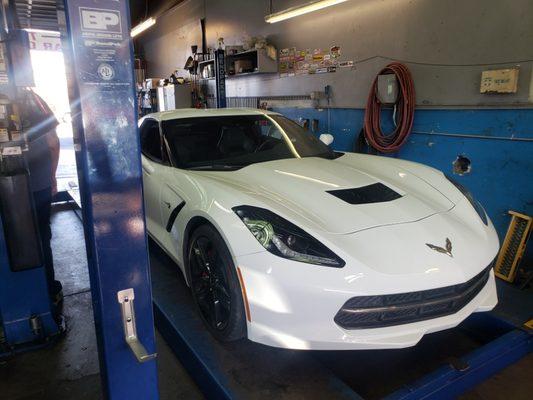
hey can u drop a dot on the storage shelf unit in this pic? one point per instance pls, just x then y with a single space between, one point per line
257 59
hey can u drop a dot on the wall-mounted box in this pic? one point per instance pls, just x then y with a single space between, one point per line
499 81
387 88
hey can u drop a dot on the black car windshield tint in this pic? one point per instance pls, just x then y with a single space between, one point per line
230 142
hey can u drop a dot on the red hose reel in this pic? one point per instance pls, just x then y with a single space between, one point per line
405 109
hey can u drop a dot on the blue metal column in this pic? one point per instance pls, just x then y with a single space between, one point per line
99 61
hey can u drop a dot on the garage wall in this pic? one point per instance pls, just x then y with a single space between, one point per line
450 42
446 44
167 45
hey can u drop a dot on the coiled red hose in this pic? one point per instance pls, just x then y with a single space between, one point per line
405 109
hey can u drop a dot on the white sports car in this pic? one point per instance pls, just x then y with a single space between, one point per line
293 245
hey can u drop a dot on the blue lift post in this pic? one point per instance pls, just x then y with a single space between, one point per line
99 63
25 307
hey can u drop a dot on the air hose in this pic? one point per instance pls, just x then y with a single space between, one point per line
405 106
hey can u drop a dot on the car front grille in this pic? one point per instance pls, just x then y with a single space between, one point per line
366 312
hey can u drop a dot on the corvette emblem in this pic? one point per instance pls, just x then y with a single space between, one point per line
447 250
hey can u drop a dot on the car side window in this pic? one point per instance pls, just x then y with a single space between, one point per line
151 140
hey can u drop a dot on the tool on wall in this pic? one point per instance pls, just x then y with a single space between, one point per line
192 66
383 92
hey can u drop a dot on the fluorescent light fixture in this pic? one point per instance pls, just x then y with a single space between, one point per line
142 26
300 10
33 30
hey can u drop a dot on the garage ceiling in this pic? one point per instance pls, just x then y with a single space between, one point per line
140 10
37 14
41 14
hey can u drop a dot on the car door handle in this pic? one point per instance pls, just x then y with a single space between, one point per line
147 167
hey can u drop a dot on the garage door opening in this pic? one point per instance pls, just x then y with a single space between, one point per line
51 85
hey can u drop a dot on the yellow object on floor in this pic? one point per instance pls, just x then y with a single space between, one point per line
513 246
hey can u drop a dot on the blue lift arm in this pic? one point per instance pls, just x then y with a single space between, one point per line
99 60
449 381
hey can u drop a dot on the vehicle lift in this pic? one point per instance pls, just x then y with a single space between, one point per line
110 193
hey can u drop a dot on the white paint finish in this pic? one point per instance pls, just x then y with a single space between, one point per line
152 192
299 188
384 245
309 324
198 113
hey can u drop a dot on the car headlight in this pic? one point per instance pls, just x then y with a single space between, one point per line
284 239
477 206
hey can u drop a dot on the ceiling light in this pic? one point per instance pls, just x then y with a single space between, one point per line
300 10
142 26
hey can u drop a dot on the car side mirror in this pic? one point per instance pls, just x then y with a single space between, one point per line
326 138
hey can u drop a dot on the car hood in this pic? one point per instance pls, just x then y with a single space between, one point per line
300 189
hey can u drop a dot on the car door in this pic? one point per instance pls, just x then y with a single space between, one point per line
172 201
152 166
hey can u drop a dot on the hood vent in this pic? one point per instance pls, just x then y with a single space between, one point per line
375 193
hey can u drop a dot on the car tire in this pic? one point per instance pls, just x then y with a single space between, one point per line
214 284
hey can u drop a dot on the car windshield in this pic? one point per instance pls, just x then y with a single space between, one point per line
230 142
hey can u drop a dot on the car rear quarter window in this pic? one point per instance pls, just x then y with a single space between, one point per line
151 140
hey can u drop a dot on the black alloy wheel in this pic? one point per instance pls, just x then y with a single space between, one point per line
214 284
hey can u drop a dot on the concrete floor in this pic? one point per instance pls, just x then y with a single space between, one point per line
69 369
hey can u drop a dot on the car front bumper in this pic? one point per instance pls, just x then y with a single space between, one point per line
295 310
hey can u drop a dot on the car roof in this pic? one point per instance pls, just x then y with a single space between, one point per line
198 113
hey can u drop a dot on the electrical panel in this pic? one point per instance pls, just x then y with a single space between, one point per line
387 88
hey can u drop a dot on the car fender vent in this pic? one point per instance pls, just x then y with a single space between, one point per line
375 193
